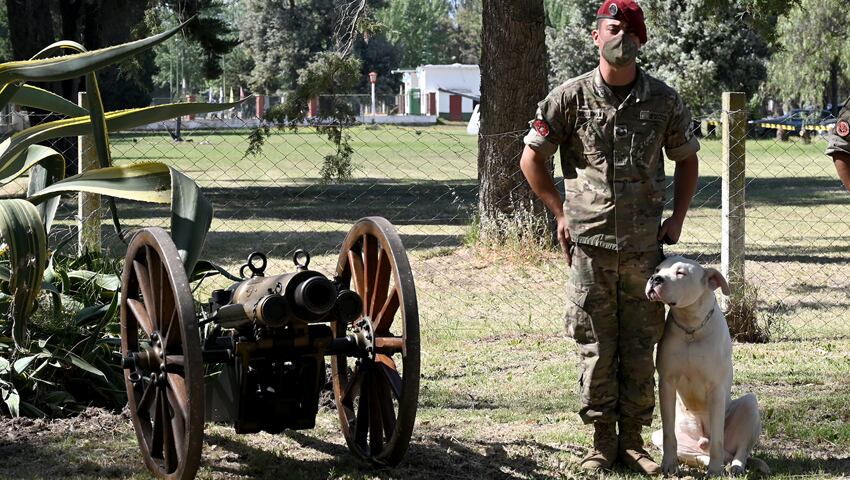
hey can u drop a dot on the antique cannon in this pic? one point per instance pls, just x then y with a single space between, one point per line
269 336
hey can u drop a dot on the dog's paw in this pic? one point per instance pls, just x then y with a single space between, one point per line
716 470
736 468
669 466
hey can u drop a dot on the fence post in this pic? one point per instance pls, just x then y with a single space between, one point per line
734 180
88 211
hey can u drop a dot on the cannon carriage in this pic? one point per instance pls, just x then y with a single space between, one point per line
271 336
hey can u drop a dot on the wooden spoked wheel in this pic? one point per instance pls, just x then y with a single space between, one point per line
377 394
162 356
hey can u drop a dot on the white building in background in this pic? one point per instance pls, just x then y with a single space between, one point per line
446 91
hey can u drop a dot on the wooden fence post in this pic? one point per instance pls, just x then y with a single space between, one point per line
89 203
732 252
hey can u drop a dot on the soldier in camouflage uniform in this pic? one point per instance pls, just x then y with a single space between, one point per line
839 145
611 125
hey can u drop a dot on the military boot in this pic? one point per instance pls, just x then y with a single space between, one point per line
631 452
604 447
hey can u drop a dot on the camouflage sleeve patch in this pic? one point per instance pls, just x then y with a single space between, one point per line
550 126
680 141
839 137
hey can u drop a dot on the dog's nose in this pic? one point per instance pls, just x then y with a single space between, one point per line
656 280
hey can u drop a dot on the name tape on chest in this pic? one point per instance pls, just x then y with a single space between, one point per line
651 116
587 113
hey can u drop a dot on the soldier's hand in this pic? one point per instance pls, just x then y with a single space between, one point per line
670 231
565 239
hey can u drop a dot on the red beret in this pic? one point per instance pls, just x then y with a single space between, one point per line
627 11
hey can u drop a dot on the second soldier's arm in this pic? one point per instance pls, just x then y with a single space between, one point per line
533 166
842 166
839 145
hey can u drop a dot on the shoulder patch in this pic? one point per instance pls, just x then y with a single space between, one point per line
842 128
541 127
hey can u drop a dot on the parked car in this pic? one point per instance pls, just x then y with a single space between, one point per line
792 121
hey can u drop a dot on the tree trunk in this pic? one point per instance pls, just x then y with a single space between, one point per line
513 80
30 26
833 88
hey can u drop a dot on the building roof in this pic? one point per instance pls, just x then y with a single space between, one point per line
453 65
461 92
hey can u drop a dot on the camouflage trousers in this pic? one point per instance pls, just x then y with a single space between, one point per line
615 328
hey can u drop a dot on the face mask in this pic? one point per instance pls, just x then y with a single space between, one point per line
620 50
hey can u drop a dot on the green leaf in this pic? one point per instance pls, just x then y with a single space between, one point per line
59 396
23 363
70 303
95 335
21 228
56 47
90 313
103 281
72 66
147 182
46 168
191 212
11 398
32 411
191 217
29 96
34 154
84 365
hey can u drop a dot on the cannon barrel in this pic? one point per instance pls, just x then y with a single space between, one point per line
316 295
275 301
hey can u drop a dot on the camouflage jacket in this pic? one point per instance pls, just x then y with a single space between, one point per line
611 156
839 137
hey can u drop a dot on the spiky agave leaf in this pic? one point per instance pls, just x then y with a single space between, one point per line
23 232
191 212
71 66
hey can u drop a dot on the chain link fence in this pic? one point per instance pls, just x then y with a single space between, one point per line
424 180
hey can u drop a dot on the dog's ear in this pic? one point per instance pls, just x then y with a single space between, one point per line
715 279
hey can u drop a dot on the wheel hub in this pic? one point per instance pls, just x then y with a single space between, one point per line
364 335
149 360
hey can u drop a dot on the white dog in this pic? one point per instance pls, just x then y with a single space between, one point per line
701 424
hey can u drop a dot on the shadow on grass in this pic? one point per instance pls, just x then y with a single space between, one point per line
772 191
420 203
49 459
434 457
806 466
804 254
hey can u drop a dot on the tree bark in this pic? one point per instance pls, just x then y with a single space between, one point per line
833 88
30 27
513 80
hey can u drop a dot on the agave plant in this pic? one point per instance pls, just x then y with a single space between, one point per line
24 224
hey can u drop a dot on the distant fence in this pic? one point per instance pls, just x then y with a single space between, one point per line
793 218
